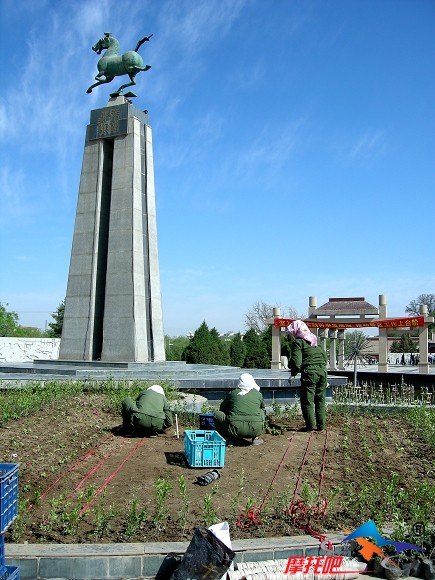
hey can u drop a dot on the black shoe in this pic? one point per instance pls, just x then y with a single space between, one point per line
320 429
306 429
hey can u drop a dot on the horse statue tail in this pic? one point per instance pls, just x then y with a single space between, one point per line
141 41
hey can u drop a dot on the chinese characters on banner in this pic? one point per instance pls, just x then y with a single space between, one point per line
410 322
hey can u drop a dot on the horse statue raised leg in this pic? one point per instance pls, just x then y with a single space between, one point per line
112 65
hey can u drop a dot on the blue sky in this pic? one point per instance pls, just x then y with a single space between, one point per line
293 148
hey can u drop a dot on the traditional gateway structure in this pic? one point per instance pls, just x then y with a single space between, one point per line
339 314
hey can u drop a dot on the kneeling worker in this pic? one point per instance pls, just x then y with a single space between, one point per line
241 414
149 413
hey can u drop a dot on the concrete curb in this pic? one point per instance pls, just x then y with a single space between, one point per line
141 561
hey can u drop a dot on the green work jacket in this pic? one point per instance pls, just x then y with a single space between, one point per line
154 404
306 358
249 407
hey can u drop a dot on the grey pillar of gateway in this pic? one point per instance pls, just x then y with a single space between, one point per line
113 306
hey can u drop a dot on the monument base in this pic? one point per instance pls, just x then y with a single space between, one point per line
210 381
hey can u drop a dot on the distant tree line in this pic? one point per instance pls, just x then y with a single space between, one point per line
10 326
252 350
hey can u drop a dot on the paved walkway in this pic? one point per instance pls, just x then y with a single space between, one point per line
144 561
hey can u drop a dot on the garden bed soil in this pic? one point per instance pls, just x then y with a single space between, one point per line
73 459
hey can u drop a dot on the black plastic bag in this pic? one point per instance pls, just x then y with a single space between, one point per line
206 558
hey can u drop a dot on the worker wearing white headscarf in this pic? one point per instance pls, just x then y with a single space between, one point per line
149 413
241 414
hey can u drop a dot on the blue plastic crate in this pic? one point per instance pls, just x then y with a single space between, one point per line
204 448
8 494
10 573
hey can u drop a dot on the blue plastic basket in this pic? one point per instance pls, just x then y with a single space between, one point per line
10 573
204 448
8 494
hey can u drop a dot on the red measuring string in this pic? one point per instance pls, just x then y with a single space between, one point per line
73 466
296 492
299 511
109 479
252 516
276 473
322 469
96 467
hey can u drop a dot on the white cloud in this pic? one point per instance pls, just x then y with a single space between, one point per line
369 145
12 194
272 149
195 25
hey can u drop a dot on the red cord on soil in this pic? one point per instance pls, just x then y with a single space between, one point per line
96 467
73 466
248 519
109 479
276 473
304 458
302 514
251 517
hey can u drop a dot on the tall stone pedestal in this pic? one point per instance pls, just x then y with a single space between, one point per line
113 307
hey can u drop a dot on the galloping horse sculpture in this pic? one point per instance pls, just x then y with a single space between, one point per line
112 65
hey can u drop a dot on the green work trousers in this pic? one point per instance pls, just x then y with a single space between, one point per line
313 393
237 429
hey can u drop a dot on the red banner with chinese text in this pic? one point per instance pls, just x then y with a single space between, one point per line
410 322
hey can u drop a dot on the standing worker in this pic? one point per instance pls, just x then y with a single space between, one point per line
310 360
148 414
241 414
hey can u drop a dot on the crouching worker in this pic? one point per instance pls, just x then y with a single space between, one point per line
241 414
148 414
310 360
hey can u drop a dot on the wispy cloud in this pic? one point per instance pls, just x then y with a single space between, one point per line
195 25
271 150
191 139
249 76
13 200
369 145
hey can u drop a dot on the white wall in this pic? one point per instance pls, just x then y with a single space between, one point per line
28 349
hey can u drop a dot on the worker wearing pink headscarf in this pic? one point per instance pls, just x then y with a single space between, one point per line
309 359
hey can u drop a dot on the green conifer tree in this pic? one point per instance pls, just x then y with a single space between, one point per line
56 326
220 355
237 351
256 352
201 349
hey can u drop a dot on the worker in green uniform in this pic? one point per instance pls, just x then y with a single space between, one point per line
241 414
148 414
310 360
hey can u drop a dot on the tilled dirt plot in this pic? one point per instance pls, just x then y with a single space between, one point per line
81 481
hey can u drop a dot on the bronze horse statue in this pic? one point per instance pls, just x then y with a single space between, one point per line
112 65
